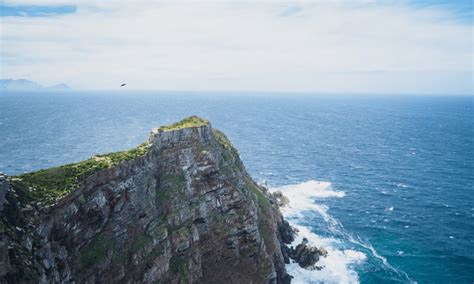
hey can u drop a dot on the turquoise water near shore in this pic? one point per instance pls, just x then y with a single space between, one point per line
386 183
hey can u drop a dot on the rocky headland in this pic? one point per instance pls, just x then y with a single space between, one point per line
180 208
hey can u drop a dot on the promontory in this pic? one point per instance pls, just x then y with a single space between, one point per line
179 208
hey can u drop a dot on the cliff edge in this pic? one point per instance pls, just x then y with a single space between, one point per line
180 208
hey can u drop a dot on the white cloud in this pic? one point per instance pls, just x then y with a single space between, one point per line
316 46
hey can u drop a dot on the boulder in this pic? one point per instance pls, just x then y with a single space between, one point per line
305 255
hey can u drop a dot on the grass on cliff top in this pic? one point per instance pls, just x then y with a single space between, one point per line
52 184
192 121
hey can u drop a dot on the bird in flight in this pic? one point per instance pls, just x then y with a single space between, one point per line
123 85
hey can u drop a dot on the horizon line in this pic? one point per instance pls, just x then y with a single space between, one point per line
243 92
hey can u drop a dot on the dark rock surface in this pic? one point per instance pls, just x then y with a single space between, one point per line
286 232
304 254
186 211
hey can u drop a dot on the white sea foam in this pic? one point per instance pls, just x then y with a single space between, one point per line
338 266
302 197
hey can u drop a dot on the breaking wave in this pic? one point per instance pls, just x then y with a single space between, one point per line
339 265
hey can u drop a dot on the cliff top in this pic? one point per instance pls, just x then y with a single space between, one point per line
50 185
192 121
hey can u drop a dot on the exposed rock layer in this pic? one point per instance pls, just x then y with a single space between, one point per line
186 211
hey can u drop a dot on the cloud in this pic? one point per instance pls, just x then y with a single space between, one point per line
317 46
291 10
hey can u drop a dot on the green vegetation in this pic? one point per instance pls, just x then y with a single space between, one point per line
263 201
175 180
178 265
223 140
219 223
192 121
157 226
182 230
96 251
267 233
140 242
265 215
51 184
162 195
170 182
230 155
123 253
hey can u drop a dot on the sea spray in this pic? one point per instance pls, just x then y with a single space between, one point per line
337 267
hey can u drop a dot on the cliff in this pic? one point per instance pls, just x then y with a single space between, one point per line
180 208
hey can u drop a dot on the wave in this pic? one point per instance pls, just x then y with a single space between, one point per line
301 197
338 266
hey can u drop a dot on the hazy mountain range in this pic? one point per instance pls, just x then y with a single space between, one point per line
23 84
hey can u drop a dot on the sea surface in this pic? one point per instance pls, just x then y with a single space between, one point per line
384 183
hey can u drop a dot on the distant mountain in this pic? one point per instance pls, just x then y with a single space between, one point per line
23 84
59 87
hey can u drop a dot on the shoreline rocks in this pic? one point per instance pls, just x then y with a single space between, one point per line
305 255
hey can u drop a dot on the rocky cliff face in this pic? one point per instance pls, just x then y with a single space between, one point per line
181 208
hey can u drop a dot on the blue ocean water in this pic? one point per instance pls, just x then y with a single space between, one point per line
397 171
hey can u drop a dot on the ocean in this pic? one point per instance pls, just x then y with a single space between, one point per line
384 183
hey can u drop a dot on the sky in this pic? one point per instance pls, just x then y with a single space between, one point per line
381 47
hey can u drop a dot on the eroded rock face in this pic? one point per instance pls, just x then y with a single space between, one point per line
4 259
286 232
185 212
304 254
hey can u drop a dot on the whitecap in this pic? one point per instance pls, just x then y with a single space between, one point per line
338 266
302 197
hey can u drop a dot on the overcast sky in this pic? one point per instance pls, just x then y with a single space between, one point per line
316 46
